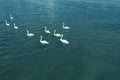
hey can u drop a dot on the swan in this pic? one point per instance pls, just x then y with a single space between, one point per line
7 24
65 27
15 27
56 34
64 41
11 17
43 41
29 34
47 31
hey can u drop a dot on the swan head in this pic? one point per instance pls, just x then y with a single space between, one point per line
5 20
54 30
27 31
41 36
61 35
45 27
63 23
14 24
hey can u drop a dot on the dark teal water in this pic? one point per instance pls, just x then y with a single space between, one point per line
93 52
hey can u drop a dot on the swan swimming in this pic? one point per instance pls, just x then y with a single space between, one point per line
15 27
29 34
46 31
11 17
64 41
43 41
56 34
65 27
6 23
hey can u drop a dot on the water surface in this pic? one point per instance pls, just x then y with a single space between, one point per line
93 52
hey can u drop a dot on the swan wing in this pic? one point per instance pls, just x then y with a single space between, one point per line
67 27
64 41
57 35
47 31
44 42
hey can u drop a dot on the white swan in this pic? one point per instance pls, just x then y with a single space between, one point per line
29 34
11 17
56 34
65 27
43 41
6 23
46 31
15 27
64 41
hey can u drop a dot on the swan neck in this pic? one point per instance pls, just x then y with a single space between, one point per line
5 21
27 32
40 38
45 29
63 24
61 36
54 32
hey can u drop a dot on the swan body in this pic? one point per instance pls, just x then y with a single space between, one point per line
56 34
64 41
29 34
65 27
11 17
6 23
43 41
15 27
47 31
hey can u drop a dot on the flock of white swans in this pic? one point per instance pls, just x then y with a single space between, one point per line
29 34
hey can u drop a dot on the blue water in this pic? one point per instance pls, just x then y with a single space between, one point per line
93 52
